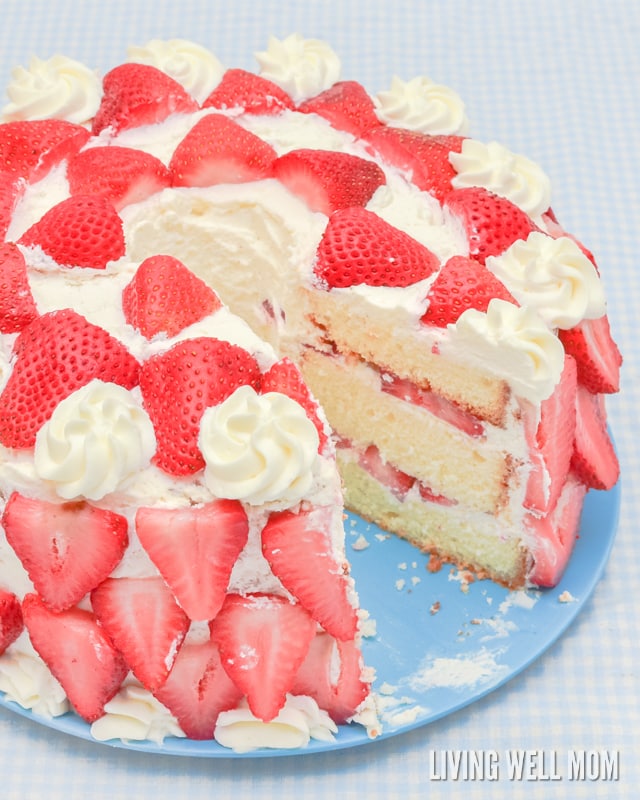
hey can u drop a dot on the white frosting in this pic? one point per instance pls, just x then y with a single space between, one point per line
190 64
512 342
422 105
507 174
299 721
258 448
553 276
134 714
59 87
96 439
25 680
302 67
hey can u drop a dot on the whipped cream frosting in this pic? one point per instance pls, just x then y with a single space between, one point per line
553 276
134 714
258 448
193 66
25 680
96 439
513 342
507 174
302 67
58 87
423 105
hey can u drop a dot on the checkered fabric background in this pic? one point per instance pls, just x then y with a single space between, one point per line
559 82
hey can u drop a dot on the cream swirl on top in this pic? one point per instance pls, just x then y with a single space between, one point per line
553 276
193 66
422 105
59 87
95 440
258 448
302 67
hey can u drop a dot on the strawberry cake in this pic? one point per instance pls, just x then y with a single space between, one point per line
217 285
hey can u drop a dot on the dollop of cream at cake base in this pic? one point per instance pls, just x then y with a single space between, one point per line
59 87
422 105
494 167
514 343
96 439
299 721
302 67
193 66
25 680
553 276
258 448
134 714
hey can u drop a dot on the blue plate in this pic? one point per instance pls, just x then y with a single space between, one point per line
440 644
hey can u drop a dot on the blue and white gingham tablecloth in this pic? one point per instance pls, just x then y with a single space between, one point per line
557 80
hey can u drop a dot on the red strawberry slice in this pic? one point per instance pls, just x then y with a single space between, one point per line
552 445
66 548
178 385
462 283
195 550
597 355
594 458
11 622
253 93
65 352
139 94
218 150
424 157
358 246
298 549
81 231
556 534
12 189
328 180
165 297
285 377
397 481
347 107
122 175
263 640
17 306
339 696
198 689
492 223
79 654
29 149
143 620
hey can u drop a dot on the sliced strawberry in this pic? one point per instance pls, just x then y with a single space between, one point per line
198 689
81 231
285 377
179 384
358 246
551 447
263 640
253 93
397 481
142 618
346 106
165 297
122 175
339 695
556 534
11 622
597 355
328 180
298 549
65 352
79 654
218 150
424 157
139 94
492 223
17 306
29 149
66 548
12 189
594 458
195 550
462 283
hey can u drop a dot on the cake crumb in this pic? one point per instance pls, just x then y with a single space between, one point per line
566 597
361 543
435 563
435 607
403 565
400 584
415 580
